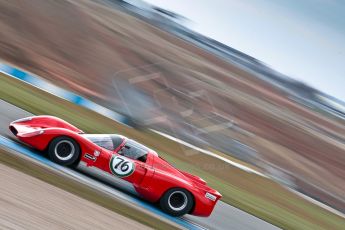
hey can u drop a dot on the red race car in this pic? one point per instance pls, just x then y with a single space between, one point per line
120 161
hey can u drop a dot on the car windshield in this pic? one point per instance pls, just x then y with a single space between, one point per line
134 150
107 141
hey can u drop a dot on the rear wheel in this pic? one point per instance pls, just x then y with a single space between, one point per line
177 202
64 151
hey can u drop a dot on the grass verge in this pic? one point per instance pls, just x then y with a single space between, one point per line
254 194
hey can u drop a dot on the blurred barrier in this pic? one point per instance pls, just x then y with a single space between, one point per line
62 93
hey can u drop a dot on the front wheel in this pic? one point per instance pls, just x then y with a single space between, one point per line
64 151
177 202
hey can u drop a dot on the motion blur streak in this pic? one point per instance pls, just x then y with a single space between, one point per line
78 100
260 116
60 92
141 65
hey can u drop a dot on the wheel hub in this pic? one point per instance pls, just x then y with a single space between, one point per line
177 200
64 150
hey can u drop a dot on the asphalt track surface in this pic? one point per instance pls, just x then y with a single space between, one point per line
223 217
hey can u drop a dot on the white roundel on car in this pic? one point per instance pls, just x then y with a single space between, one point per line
121 166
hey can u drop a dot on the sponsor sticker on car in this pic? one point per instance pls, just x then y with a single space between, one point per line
90 157
210 196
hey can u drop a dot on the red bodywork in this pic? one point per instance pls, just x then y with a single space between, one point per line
150 179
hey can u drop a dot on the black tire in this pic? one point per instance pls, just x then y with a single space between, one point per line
64 151
177 202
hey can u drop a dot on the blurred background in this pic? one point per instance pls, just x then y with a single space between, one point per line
170 75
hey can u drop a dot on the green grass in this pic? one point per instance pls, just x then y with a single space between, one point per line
256 195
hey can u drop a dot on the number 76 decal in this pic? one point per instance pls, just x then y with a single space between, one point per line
121 166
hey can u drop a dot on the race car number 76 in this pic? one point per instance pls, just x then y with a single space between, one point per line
121 166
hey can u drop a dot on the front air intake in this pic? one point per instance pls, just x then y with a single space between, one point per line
14 130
